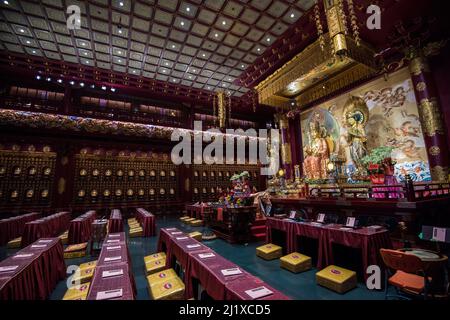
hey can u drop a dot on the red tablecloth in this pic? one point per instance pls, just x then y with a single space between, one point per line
368 240
147 221
80 229
123 282
195 210
47 227
115 221
236 289
165 235
40 266
114 246
208 272
12 228
181 247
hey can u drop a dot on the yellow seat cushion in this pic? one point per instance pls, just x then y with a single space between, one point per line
196 223
64 237
269 251
136 232
171 289
77 292
155 256
83 276
184 218
196 235
75 251
188 220
296 262
14 243
337 279
88 265
155 266
163 275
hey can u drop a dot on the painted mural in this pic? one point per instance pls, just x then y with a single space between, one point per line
347 128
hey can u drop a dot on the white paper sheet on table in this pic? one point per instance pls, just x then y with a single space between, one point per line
206 255
112 273
259 292
110 294
8 268
231 271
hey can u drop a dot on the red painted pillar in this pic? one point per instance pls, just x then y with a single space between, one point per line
431 118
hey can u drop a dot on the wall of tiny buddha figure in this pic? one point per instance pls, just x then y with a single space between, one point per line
383 113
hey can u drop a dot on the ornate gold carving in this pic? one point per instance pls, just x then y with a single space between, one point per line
418 65
286 153
421 86
431 117
434 151
439 173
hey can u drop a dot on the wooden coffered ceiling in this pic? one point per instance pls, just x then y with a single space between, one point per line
199 44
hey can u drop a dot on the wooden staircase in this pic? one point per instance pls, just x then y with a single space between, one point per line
258 229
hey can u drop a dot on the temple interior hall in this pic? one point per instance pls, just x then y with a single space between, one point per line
224 150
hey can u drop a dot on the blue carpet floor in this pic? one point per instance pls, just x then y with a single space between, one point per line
300 286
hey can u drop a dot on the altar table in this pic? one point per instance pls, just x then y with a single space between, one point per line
147 221
40 266
80 229
12 228
50 226
115 221
369 240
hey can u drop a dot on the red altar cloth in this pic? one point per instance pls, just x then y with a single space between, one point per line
123 282
235 290
39 268
208 272
370 241
180 249
115 221
12 228
165 235
147 221
80 229
113 247
195 210
47 227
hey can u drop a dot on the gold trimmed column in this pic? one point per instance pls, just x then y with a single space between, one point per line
430 114
286 159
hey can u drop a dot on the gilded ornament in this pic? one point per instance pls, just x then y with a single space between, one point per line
434 151
421 86
431 118
439 173
418 65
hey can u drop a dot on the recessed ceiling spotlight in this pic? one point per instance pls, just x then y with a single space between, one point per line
193 70
119 52
216 35
174 80
164 70
72 83
242 66
59 80
134 71
292 15
182 23
188 9
38 77
203 55
259 49
22 30
119 60
166 63
28 41
49 79
268 39
173 46
6 2
103 88
81 84
224 22
224 84
34 51
113 89
87 61
83 44
121 3
120 31
92 86
85 53
190 77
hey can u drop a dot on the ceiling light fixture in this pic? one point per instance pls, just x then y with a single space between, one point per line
182 23
268 39
259 49
292 15
113 89
83 44
49 79
92 86
6 2
103 88
28 41
173 46
224 22
38 77
203 55
81 84
216 35
119 60
72 83
34 51
188 9
121 3
22 30
59 80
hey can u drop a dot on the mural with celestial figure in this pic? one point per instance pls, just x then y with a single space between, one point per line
380 113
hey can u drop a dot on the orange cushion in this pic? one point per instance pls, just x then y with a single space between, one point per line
407 281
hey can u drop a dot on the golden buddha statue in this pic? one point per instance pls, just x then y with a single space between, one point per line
317 154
